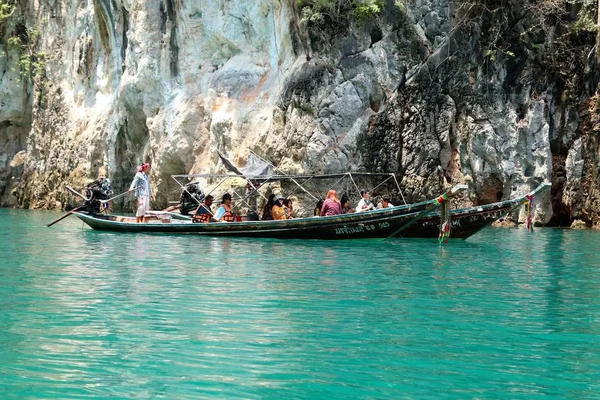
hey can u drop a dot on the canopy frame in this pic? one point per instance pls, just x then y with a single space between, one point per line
258 181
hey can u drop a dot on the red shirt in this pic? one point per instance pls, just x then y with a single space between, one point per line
331 207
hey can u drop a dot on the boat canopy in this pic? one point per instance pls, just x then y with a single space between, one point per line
259 172
255 166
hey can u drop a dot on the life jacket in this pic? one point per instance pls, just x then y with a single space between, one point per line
203 214
278 212
204 217
228 216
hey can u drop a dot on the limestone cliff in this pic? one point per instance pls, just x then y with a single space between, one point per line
435 90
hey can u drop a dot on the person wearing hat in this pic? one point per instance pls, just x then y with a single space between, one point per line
278 211
385 202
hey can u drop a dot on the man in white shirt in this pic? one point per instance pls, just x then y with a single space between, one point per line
365 204
385 202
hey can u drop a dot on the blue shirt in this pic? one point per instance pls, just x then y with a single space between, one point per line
220 212
203 210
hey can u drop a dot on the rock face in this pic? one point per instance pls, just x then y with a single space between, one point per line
414 90
15 122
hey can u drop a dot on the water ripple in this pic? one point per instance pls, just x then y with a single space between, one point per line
505 314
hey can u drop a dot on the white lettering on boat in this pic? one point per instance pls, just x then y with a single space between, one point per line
347 230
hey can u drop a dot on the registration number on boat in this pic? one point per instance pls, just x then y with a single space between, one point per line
345 230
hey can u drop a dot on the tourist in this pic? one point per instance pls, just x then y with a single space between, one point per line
204 211
331 205
224 213
141 185
266 214
385 202
278 211
365 204
317 210
288 208
346 207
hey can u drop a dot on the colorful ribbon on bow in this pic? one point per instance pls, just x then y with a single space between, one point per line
444 205
441 200
528 208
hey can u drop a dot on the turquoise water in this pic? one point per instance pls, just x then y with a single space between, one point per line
87 314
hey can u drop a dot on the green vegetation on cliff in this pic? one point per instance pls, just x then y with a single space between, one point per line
6 11
318 10
25 40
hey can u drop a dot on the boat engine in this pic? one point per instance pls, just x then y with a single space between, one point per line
100 189
191 197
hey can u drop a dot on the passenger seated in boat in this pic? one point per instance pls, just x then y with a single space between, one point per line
224 213
204 211
266 214
385 202
288 208
365 204
346 207
317 210
331 205
278 211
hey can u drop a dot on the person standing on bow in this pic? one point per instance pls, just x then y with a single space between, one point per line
141 185
224 213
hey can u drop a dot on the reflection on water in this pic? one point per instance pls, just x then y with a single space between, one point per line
98 314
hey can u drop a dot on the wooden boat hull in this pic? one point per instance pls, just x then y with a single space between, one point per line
410 221
467 221
464 223
372 224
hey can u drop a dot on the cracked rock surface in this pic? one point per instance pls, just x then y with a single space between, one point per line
410 91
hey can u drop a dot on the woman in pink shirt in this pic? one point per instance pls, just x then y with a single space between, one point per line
331 205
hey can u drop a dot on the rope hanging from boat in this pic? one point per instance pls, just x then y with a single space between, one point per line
528 208
444 204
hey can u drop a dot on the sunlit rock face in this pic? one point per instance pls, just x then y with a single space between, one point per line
171 82
160 81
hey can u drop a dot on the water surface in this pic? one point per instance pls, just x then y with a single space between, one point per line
86 314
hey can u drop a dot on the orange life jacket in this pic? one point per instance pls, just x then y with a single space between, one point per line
204 217
228 216
203 214
278 212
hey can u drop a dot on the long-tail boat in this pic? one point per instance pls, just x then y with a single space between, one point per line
380 223
428 219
